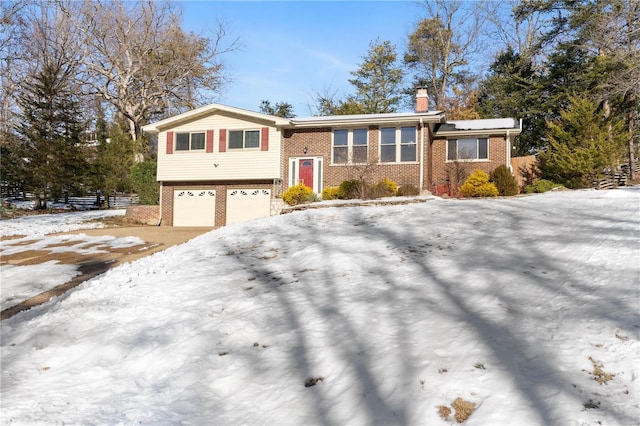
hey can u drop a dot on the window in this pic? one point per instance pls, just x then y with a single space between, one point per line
398 144
467 149
189 141
350 146
244 139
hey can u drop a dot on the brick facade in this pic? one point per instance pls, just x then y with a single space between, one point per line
221 196
450 174
317 142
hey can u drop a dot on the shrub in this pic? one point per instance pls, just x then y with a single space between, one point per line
143 181
384 188
298 194
350 190
408 190
504 181
331 193
541 185
478 185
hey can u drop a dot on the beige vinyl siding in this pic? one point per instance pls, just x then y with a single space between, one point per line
229 165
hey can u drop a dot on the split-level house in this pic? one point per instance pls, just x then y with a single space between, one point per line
218 164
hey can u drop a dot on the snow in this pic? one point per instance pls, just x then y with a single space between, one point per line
399 309
20 282
42 224
484 124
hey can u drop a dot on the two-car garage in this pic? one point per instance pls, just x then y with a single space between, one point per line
197 207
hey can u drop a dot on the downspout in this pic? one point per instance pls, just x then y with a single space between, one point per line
509 153
421 156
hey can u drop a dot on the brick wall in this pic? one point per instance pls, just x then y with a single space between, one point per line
146 215
318 141
221 196
444 173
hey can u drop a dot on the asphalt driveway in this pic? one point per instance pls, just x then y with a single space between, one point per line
91 263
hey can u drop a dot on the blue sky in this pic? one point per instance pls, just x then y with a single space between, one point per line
293 49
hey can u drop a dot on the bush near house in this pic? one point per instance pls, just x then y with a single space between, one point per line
407 191
350 190
541 185
331 193
384 188
502 178
143 181
298 194
478 185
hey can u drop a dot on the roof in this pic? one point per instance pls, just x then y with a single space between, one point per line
448 128
364 119
209 110
481 126
331 120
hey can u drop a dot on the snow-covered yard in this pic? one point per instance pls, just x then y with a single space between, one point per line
525 307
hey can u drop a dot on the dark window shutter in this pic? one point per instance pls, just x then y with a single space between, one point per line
209 140
264 140
223 140
169 142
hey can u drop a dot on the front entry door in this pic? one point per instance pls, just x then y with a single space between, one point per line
306 172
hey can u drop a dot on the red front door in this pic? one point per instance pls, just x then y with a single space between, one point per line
306 172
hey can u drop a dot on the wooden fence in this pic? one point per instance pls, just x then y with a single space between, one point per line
616 178
525 169
118 201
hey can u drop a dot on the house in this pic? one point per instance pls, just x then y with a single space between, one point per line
218 164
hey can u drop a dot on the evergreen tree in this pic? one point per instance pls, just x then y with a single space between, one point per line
583 144
595 47
280 109
50 133
330 106
378 79
513 88
143 180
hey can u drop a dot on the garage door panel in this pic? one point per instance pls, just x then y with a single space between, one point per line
194 207
247 204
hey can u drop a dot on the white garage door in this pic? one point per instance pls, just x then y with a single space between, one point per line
194 207
246 204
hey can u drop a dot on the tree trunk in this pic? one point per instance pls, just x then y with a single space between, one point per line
632 160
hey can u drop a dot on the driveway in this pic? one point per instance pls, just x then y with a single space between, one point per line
91 255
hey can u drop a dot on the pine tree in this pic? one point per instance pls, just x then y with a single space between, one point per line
378 79
50 133
513 89
583 144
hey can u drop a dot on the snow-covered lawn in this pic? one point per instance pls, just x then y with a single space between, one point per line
38 225
24 281
526 307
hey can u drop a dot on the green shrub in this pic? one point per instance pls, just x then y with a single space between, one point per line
350 190
298 194
384 188
504 181
331 193
541 185
143 181
478 185
407 191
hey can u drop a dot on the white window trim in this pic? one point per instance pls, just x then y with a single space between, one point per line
244 139
350 146
294 172
469 160
398 144
175 142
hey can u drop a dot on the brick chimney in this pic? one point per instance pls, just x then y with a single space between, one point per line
422 100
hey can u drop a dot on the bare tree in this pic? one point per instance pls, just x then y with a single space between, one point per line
443 44
137 57
12 26
518 33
